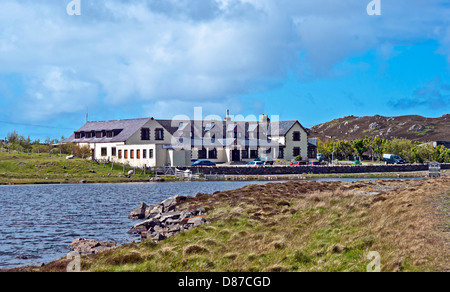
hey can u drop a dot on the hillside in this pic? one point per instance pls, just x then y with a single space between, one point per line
415 128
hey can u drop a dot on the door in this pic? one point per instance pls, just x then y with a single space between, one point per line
235 155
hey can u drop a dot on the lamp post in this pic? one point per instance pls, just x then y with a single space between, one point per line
334 147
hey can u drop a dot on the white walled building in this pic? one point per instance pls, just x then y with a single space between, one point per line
155 143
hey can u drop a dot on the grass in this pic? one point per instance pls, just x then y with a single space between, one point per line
301 226
24 168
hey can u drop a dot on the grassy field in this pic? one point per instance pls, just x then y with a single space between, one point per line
23 168
301 226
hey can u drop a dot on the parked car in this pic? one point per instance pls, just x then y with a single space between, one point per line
203 163
298 163
193 160
268 160
320 157
393 159
255 164
315 163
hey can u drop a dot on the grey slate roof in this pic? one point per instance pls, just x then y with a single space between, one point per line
128 127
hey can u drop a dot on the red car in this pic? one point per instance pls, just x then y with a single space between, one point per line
298 163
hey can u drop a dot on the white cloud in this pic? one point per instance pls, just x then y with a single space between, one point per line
193 51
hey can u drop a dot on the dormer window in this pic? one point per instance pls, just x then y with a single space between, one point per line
109 134
98 134
77 135
145 134
159 134
209 126
181 126
88 135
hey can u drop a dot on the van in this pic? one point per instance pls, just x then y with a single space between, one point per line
393 159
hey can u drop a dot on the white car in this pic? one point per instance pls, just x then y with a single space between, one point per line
255 164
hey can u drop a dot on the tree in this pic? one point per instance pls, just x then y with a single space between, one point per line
359 146
377 146
83 151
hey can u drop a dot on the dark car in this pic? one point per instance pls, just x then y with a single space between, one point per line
203 163
315 163
193 160
298 163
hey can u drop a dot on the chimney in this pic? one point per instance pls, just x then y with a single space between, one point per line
264 119
227 118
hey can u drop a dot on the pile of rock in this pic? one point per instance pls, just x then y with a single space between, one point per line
163 220
89 246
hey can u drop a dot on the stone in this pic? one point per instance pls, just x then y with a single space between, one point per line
158 237
131 172
170 215
83 181
197 221
169 204
200 211
143 226
153 211
90 246
186 214
138 212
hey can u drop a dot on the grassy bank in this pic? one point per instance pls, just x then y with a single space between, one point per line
301 226
23 168
44 169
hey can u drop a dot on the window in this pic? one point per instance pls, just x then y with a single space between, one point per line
145 134
113 151
98 134
88 135
159 134
281 153
296 151
253 154
209 126
138 154
104 152
120 154
144 154
213 139
109 134
202 153
131 154
212 154
151 154
244 154
296 136
125 155
77 135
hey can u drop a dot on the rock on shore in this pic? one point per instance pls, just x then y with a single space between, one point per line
89 246
163 220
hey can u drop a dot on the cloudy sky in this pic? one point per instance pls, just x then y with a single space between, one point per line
309 60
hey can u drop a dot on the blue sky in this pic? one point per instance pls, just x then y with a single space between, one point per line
310 60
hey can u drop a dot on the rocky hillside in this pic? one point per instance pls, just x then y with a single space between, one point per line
415 128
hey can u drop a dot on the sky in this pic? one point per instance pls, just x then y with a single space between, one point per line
306 60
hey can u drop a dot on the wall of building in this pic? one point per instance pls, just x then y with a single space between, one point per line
291 144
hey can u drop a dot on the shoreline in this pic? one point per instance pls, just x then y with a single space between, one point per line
289 177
